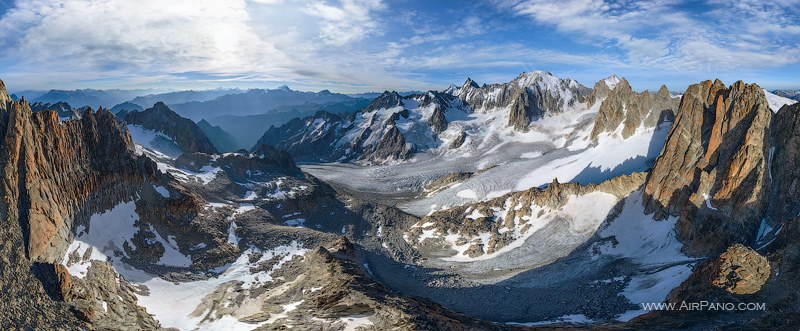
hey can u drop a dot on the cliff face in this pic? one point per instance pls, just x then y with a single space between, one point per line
712 171
53 174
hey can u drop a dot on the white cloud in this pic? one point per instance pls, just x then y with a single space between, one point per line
183 35
351 20
663 34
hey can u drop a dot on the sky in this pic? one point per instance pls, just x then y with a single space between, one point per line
374 45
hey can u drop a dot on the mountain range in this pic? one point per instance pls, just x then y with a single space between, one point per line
538 202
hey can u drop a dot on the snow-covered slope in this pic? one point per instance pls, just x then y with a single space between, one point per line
776 101
501 159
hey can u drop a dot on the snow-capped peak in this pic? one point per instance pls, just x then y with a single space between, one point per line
284 88
612 81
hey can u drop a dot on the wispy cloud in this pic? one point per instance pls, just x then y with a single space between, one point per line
350 20
665 34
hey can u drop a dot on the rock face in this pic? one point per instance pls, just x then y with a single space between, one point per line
62 167
54 173
186 134
741 270
630 110
602 89
712 170
783 160
4 97
520 114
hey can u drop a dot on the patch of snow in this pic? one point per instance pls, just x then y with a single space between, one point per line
298 222
232 238
162 190
106 236
574 319
249 196
354 322
154 140
707 199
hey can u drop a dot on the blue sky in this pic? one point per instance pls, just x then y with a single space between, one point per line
373 45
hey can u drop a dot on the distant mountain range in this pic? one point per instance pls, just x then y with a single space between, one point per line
248 128
253 102
172 98
83 98
791 94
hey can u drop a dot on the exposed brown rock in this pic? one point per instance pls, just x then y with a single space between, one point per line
65 165
717 149
51 173
599 91
741 270
4 97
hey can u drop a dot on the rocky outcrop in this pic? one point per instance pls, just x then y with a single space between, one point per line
331 286
783 162
438 121
741 270
63 167
712 171
602 89
392 146
4 97
460 139
186 134
64 110
385 101
519 116
631 110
